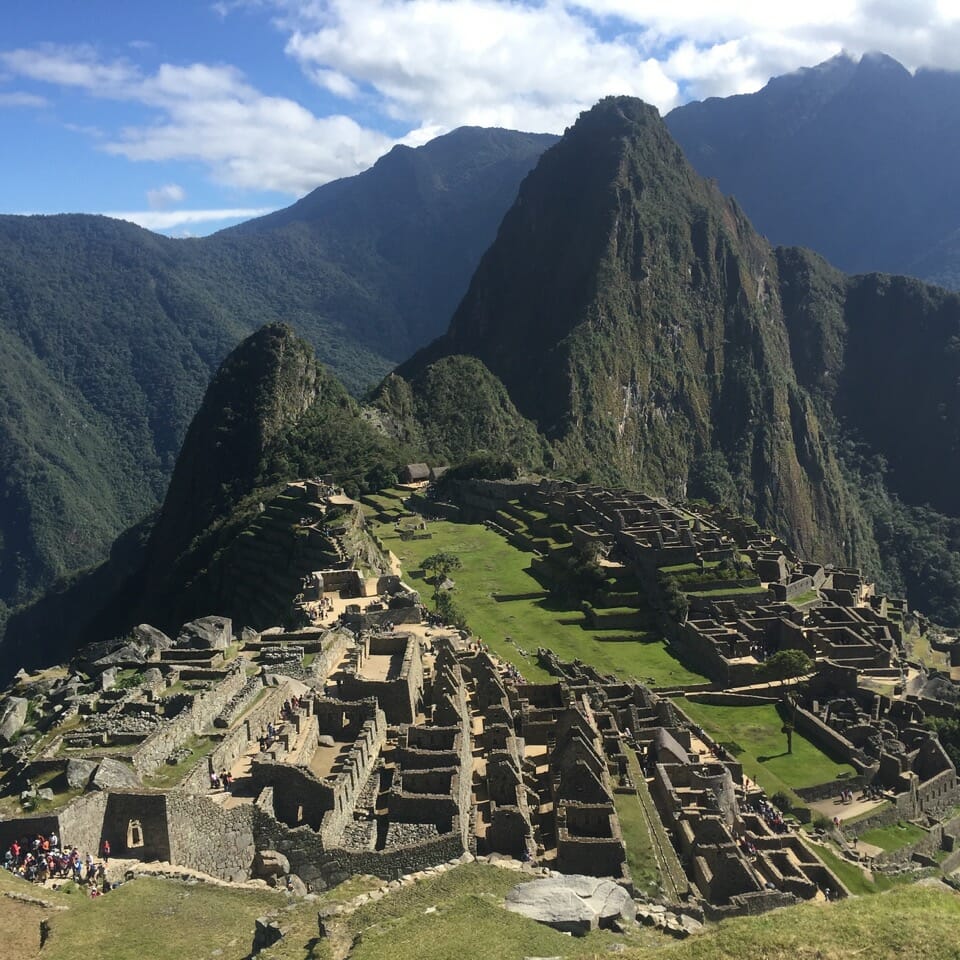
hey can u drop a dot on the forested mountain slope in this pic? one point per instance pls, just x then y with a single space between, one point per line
109 333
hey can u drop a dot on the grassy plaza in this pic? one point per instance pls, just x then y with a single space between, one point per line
501 599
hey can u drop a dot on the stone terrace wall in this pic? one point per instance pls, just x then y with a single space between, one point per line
235 744
204 710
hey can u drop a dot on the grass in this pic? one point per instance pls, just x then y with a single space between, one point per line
914 922
646 866
636 838
854 879
169 775
762 747
805 597
10 805
894 837
466 920
494 571
727 592
170 920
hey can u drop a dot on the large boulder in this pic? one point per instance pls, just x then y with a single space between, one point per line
270 863
79 772
123 655
207 633
113 775
13 715
572 904
151 640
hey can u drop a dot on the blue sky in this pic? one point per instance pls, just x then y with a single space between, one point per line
187 115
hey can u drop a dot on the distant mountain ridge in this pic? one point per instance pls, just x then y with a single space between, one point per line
109 333
853 159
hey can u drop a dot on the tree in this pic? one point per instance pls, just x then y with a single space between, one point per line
786 664
440 565
787 728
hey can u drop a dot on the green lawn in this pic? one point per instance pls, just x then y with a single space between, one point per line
460 915
754 737
854 879
500 599
895 836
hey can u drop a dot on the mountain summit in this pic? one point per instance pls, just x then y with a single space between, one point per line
633 313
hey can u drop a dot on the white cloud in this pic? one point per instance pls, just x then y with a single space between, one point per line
211 114
166 195
534 64
482 62
431 65
21 99
170 219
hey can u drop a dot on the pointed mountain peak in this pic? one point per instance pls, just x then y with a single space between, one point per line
261 388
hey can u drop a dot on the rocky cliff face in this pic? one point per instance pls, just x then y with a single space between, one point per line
633 313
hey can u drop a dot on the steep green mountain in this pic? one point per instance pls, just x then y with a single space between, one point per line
854 159
634 315
454 408
109 333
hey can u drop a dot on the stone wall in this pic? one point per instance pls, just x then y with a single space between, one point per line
204 836
81 823
136 826
198 717
833 743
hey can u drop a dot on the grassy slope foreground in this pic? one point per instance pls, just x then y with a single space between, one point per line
451 916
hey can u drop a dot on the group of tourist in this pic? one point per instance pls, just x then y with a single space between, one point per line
221 781
771 815
43 858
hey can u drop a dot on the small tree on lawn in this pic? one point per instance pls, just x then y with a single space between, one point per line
786 664
440 565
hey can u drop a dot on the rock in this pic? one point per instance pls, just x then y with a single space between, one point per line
13 715
45 793
266 933
108 679
270 863
690 925
207 633
325 740
249 635
151 640
573 904
127 653
111 774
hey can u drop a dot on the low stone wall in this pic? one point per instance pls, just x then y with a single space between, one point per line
823 791
833 743
719 698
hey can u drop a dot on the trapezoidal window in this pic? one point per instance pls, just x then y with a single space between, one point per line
134 834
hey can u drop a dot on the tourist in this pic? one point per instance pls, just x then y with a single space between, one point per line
105 851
